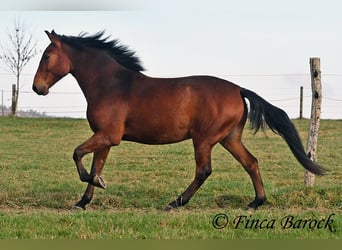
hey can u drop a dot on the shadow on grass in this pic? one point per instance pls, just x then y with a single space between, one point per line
233 201
304 197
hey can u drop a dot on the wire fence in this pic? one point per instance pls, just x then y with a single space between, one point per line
73 104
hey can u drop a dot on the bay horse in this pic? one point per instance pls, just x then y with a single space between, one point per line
125 104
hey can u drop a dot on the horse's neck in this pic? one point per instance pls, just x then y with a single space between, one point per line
95 73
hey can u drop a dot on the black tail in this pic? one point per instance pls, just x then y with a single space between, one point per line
262 113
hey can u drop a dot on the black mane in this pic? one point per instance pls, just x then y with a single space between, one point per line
122 54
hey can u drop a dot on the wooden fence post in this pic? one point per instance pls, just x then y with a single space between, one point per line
13 99
301 103
309 178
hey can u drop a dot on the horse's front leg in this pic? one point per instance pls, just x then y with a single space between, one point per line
100 146
97 180
86 198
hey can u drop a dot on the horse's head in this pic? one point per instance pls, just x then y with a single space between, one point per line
53 65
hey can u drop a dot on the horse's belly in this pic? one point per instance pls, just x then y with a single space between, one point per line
147 133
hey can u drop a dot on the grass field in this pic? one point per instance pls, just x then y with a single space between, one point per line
39 184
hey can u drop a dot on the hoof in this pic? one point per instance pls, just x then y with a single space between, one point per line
98 181
255 204
77 208
169 208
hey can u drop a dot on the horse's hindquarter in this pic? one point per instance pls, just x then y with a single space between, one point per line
171 110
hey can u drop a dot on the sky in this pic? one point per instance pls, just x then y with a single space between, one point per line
261 45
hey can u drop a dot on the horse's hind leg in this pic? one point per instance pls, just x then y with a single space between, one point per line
234 145
203 170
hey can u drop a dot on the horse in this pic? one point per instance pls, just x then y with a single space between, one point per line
125 104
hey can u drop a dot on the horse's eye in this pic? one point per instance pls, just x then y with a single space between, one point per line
46 57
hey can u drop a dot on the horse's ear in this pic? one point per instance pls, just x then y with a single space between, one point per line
54 38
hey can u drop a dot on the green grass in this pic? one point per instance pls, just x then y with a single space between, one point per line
39 183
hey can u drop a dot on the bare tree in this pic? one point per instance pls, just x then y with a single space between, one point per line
17 53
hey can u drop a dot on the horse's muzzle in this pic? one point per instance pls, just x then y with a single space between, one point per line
41 90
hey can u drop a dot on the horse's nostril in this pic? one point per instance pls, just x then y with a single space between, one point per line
40 91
